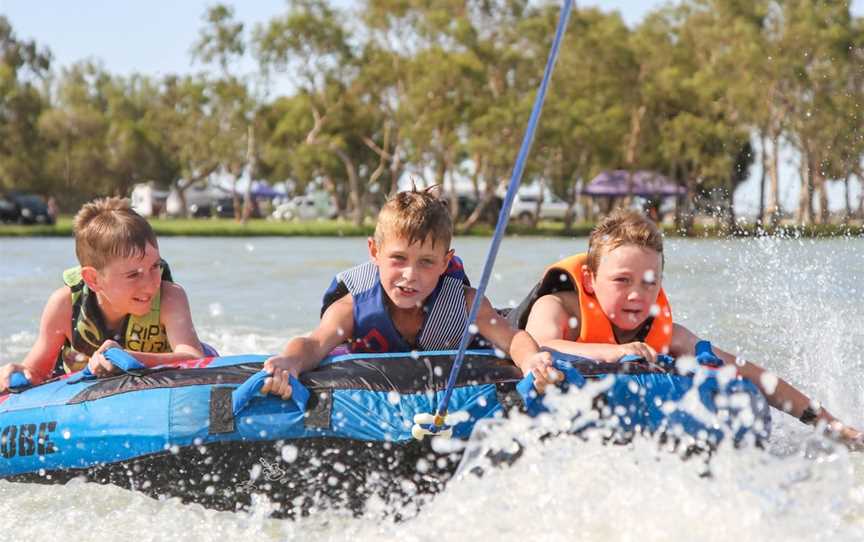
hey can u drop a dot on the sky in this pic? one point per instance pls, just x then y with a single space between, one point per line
155 37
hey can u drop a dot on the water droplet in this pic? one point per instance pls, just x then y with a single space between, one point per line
769 382
289 453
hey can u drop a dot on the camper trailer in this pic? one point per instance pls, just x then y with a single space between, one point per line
147 200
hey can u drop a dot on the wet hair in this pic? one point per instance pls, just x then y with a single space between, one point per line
416 215
108 228
623 227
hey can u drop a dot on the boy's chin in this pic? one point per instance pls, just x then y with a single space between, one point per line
407 303
629 325
138 311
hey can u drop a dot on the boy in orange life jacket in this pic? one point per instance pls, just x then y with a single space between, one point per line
411 296
121 295
608 303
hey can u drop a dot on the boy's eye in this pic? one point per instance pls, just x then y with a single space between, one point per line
426 261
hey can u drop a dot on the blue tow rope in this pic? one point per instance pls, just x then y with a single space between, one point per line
503 217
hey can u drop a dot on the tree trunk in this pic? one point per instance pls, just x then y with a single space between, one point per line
483 203
235 199
181 190
821 185
395 171
730 212
572 197
773 210
538 207
803 216
847 214
760 218
354 195
251 166
454 196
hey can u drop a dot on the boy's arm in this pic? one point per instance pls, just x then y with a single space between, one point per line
552 315
54 327
522 349
780 394
303 354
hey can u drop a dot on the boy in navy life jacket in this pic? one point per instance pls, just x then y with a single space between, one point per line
412 295
121 295
608 303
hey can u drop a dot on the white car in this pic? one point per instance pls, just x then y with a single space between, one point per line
307 207
200 201
525 206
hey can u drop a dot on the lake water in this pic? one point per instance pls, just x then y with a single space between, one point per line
792 305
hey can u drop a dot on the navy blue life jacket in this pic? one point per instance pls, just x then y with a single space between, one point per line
445 315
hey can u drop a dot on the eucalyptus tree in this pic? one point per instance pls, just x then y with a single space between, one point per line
823 111
702 136
313 42
221 42
500 102
98 138
184 118
446 44
24 66
76 129
593 114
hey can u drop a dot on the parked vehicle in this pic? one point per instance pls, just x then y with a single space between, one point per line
9 211
525 207
307 207
147 200
24 209
225 208
200 201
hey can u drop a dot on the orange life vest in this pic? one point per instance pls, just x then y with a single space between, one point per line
594 326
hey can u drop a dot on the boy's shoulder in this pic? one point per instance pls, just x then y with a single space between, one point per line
58 308
172 293
567 299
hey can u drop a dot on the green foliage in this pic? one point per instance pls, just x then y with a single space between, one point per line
441 91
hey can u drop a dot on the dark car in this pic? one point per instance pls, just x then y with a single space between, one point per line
225 208
9 210
32 209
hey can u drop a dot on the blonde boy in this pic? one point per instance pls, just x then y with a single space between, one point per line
411 295
121 296
609 303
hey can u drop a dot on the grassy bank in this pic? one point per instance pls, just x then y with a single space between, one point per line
339 228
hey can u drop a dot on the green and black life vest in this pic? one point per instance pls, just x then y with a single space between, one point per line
138 333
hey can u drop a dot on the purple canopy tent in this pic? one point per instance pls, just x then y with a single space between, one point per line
620 182
264 191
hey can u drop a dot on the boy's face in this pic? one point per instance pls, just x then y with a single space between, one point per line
127 285
626 284
409 272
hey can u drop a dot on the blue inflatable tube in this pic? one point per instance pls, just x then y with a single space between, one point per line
204 432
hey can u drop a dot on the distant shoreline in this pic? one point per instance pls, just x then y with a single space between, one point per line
338 228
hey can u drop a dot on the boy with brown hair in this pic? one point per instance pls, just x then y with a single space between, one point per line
121 296
608 303
411 295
